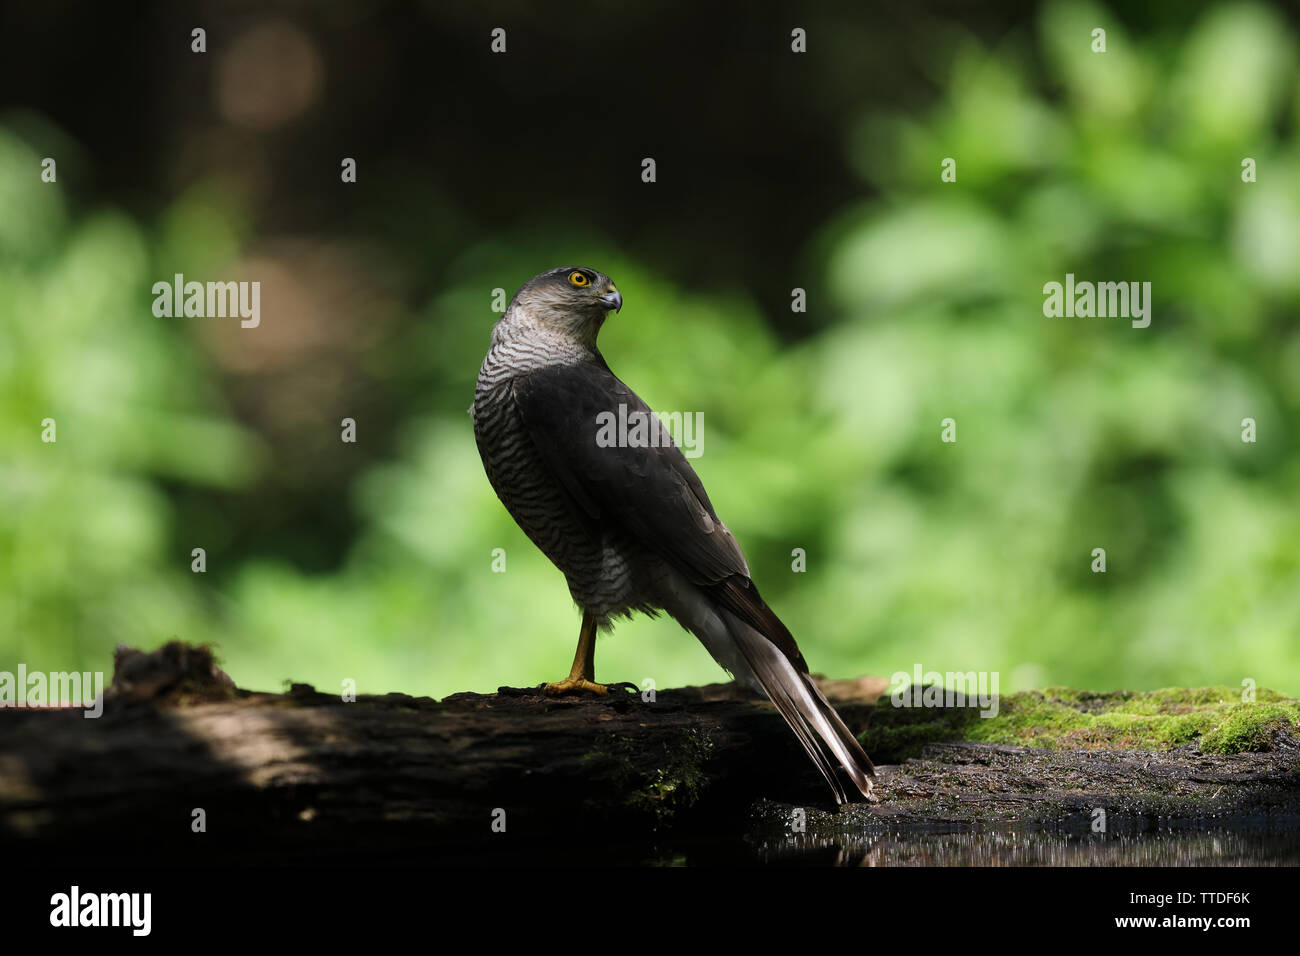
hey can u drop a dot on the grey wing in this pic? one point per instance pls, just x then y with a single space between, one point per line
650 494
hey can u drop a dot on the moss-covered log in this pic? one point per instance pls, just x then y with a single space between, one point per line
515 775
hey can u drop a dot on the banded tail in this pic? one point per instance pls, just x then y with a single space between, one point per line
800 701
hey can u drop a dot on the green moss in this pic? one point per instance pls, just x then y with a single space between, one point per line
1214 718
897 732
1251 727
676 781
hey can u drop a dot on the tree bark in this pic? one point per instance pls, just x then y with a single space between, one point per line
518 776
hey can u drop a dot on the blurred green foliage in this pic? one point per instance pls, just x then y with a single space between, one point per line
1072 433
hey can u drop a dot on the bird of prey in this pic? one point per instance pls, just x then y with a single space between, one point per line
630 525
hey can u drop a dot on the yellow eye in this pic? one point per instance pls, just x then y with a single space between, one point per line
577 278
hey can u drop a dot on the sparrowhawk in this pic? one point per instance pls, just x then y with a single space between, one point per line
630 525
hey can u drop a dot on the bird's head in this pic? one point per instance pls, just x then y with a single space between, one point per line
570 302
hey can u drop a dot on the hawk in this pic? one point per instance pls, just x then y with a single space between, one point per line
630 525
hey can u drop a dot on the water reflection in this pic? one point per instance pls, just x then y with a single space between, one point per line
1262 846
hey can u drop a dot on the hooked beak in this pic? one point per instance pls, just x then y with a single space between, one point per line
612 299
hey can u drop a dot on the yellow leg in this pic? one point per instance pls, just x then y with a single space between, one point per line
582 676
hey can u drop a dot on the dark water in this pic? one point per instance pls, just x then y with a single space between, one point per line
1265 845
1271 840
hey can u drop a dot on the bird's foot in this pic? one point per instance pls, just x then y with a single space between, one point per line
574 685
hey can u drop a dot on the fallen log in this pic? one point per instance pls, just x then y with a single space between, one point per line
184 767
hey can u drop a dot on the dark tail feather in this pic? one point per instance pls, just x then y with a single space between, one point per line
801 702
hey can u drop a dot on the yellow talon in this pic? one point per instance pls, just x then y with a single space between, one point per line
574 685
583 670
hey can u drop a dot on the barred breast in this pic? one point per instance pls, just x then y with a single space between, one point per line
599 571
